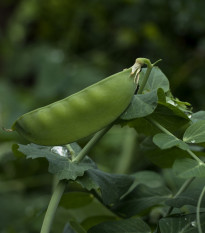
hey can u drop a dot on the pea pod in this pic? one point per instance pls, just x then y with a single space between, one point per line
80 114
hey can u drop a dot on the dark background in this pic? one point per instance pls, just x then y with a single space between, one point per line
50 49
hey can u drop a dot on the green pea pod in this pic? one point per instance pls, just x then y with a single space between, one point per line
80 114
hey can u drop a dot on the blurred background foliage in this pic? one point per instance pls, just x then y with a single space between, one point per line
50 49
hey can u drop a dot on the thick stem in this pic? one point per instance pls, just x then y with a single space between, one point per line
52 207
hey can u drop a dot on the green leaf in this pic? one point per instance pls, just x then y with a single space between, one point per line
187 168
141 199
68 229
188 197
134 225
6 152
157 79
95 220
73 200
198 116
143 126
112 186
171 110
162 158
181 105
161 95
181 224
89 214
59 160
195 133
165 141
14 205
73 227
149 178
141 105
169 117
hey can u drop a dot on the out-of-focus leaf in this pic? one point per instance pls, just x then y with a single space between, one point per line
73 200
77 227
95 220
189 197
73 227
149 178
134 225
15 206
141 199
162 158
6 152
182 224
87 214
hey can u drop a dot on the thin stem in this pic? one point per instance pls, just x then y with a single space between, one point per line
149 69
159 126
194 156
181 190
184 186
52 207
72 152
91 143
156 62
198 210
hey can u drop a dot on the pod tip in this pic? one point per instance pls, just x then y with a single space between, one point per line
7 130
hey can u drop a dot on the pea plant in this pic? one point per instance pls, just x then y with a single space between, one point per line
169 135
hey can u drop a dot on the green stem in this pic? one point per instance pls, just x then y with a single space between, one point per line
181 190
52 207
159 126
59 189
194 156
126 156
72 152
187 182
198 210
149 69
91 143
